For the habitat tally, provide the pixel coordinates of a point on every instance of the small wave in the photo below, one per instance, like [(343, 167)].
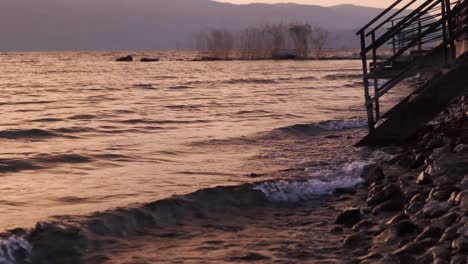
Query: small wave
[(69, 238), (185, 107), (47, 120), (72, 130), (180, 87), (66, 239), (252, 112), (63, 158), (149, 121), (27, 134), (83, 117), (257, 81), (342, 124), (144, 86), (16, 165), (325, 181), (343, 76), (28, 103), (318, 128), (114, 157)]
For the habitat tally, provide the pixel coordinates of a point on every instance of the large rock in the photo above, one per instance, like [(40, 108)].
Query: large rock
[(461, 148), (128, 58), (379, 194), (440, 252), (463, 186), (424, 178), (372, 173), (430, 232), (388, 206), (356, 239), (464, 200), (415, 247), (349, 216), (460, 245), (459, 259), (441, 193), (451, 232), (435, 209), (435, 143)]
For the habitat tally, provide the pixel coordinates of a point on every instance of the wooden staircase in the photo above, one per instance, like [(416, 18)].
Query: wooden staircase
[(407, 38)]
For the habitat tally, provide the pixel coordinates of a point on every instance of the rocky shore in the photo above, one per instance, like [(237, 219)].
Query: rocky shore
[(420, 216)]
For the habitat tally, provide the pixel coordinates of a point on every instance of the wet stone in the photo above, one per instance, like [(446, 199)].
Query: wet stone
[(459, 259), (463, 186), (336, 230), (441, 261), (464, 200), (447, 219), (405, 227), (397, 219), (356, 239), (460, 245), (435, 209), (388, 206), (440, 194), (423, 178), (435, 143), (430, 232), (372, 173), (451, 232), (461, 148), (379, 194), (463, 231), (349, 216), (440, 252), (415, 247)]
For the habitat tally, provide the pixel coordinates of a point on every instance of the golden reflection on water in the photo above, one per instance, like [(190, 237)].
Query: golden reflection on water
[(81, 133)]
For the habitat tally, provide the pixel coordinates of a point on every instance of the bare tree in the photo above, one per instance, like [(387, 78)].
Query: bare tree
[(300, 34), (278, 38), (215, 43), (262, 42), (318, 38)]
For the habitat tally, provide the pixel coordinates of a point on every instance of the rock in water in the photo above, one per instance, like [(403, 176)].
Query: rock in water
[(349, 216), (125, 59), (149, 60), (372, 173)]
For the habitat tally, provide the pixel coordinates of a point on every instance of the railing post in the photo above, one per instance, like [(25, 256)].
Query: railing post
[(451, 30), (368, 99), (444, 28), (419, 36), (393, 40), (376, 81)]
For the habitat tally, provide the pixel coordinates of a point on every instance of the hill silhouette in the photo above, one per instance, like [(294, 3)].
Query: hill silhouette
[(155, 24)]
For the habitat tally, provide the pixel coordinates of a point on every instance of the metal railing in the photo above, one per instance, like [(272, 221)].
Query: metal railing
[(406, 31)]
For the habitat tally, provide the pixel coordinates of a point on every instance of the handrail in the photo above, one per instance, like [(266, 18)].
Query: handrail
[(391, 17), (401, 25), (432, 21), (378, 17)]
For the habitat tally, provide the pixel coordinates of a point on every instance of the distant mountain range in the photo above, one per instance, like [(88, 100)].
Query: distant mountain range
[(155, 24)]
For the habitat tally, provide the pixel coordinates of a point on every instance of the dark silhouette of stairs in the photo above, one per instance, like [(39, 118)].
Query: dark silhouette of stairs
[(407, 38)]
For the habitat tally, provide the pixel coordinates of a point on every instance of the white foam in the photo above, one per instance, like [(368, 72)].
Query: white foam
[(342, 124), (322, 182), (10, 245)]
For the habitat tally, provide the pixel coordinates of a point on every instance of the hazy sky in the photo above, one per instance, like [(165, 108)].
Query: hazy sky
[(375, 3)]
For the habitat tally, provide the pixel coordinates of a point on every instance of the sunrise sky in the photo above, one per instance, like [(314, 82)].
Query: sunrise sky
[(374, 3)]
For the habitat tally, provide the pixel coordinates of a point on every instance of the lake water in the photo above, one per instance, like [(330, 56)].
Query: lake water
[(81, 133)]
